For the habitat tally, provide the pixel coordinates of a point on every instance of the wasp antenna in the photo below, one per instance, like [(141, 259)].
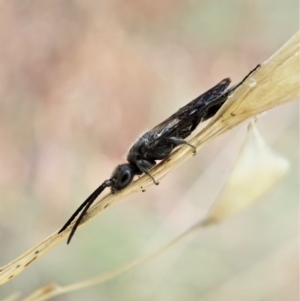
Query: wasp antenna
[(75, 214), (83, 209)]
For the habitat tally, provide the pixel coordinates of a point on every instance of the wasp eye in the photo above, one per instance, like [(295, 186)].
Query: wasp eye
[(125, 177), (122, 176)]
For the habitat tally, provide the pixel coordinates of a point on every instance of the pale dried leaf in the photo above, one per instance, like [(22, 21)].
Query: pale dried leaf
[(257, 169)]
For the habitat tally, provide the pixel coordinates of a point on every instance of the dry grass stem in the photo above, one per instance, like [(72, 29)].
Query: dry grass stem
[(255, 161)]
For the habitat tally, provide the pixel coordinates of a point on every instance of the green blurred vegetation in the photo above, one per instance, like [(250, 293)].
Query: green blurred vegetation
[(79, 81)]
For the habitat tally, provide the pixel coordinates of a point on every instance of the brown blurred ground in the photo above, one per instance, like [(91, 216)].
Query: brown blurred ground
[(79, 81)]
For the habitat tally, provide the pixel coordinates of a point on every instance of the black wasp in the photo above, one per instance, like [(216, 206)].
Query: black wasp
[(159, 142)]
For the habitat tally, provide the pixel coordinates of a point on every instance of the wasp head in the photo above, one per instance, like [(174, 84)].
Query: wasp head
[(121, 177)]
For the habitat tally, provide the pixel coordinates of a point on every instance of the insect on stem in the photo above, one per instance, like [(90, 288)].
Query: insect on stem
[(158, 143)]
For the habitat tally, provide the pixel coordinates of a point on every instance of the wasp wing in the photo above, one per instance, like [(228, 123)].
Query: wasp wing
[(187, 118), (182, 122)]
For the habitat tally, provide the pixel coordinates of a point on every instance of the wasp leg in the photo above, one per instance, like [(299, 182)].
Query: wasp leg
[(145, 166), (178, 141)]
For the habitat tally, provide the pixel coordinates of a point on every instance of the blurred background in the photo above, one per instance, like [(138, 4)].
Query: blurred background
[(79, 82)]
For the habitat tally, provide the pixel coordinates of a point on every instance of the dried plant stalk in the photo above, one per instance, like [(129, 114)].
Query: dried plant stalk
[(256, 161), (275, 82)]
